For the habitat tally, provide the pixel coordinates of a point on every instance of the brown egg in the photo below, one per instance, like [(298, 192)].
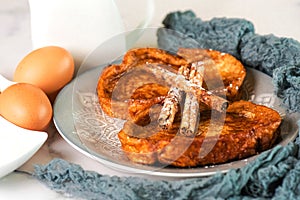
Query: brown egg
[(50, 68), (26, 106)]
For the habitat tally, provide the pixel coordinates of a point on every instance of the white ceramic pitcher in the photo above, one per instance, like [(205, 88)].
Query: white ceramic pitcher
[(77, 25)]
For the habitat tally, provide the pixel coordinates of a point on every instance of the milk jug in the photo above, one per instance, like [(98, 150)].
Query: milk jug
[(77, 25)]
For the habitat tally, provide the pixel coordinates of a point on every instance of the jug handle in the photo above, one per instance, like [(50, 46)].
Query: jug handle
[(135, 34)]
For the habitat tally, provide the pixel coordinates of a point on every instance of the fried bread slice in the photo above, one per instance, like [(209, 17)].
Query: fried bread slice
[(126, 91), (246, 130)]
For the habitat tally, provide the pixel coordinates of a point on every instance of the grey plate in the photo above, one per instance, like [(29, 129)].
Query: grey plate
[(81, 122)]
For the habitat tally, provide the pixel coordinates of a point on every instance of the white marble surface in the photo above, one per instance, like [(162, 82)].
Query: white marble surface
[(14, 34), (280, 17)]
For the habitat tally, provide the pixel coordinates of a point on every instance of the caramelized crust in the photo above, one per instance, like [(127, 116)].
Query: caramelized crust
[(127, 91), (247, 130), (131, 92)]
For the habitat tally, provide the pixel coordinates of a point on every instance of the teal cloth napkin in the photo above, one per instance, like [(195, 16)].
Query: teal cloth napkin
[(275, 56), (275, 174)]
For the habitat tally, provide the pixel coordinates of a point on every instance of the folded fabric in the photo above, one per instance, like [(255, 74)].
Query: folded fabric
[(286, 80), (275, 56), (256, 180), (274, 174), (219, 33), (268, 52)]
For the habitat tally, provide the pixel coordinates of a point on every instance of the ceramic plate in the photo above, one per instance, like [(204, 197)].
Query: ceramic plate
[(82, 123)]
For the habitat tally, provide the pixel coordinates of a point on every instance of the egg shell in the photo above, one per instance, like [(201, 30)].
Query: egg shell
[(50, 68), (26, 106)]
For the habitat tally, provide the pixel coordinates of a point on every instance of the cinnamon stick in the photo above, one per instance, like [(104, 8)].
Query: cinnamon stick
[(197, 73), (212, 101), (191, 106), (185, 71), (190, 116), (170, 108), (172, 79), (179, 81)]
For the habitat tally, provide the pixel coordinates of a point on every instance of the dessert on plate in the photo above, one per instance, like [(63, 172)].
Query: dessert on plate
[(184, 109)]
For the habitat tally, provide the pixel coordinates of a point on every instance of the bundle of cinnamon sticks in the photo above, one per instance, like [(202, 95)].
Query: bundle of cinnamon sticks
[(186, 91)]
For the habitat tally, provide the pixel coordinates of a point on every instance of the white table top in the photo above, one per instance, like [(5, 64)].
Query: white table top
[(279, 17)]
